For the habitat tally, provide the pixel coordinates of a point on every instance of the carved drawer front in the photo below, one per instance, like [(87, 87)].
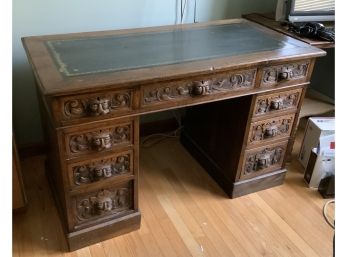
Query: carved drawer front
[(270, 129), (277, 102), (102, 204), (101, 169), (97, 139), (95, 106), (180, 90), (273, 75), (262, 160)]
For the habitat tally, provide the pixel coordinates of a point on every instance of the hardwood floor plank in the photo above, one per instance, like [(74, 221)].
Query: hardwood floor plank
[(123, 246), (154, 215), (181, 228), (300, 219), (283, 226), (110, 248), (84, 252)]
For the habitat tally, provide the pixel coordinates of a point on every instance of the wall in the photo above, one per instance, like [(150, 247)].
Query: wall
[(41, 17), (323, 77)]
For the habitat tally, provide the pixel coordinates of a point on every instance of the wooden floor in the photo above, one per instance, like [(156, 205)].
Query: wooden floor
[(185, 213)]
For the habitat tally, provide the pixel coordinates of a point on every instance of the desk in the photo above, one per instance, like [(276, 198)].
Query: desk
[(94, 86)]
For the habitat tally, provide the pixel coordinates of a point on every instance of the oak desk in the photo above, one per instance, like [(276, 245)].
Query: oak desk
[(93, 87)]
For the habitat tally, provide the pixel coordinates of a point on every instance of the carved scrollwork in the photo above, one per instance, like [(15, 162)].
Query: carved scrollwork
[(96, 106), (270, 129), (274, 74), (278, 102), (102, 203), (264, 159), (95, 171), (99, 140), (200, 87)]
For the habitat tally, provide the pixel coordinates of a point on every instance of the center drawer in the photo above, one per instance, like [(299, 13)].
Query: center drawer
[(196, 89)]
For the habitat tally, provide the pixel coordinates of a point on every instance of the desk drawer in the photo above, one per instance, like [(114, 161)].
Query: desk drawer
[(270, 129), (101, 170), (100, 137), (175, 92), (90, 107), (101, 205), (285, 74), (262, 160), (275, 103)]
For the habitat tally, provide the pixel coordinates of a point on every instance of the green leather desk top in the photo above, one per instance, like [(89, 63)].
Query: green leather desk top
[(123, 52), (78, 62)]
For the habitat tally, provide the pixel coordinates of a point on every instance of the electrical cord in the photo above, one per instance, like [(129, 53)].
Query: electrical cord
[(194, 14), (312, 30), (331, 224), (158, 137), (183, 10)]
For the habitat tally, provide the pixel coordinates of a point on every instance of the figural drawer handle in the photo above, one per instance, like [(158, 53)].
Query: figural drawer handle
[(271, 131), (277, 104), (264, 161), (285, 74), (102, 141), (200, 88)]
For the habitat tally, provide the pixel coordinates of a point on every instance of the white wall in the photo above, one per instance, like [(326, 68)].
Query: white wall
[(41, 17)]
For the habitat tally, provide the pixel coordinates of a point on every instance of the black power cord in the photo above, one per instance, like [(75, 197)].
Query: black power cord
[(313, 30)]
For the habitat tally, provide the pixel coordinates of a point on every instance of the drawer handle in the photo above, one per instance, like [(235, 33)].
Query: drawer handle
[(271, 131), (200, 88), (102, 141), (102, 171), (99, 106), (285, 74), (263, 161), (277, 104), (104, 202)]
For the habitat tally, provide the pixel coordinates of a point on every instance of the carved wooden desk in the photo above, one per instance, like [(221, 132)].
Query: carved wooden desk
[(93, 87)]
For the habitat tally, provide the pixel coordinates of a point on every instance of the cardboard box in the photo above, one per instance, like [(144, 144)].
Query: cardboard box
[(316, 128), (319, 167)]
